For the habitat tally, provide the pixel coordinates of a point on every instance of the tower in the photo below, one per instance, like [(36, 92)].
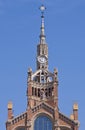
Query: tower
[(42, 111)]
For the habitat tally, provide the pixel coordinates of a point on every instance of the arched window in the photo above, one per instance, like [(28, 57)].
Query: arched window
[(43, 123)]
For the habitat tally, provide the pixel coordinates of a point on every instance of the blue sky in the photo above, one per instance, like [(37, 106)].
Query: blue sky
[(19, 36)]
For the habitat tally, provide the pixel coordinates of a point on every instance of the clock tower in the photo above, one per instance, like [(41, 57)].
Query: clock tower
[(42, 111), (44, 85)]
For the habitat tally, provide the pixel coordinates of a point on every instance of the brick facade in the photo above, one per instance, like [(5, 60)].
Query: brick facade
[(42, 96)]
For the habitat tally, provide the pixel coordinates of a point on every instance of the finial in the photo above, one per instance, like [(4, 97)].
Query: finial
[(75, 106), (72, 117), (10, 105), (42, 8), (42, 34)]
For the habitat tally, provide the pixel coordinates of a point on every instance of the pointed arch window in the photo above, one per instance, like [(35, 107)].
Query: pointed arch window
[(43, 123)]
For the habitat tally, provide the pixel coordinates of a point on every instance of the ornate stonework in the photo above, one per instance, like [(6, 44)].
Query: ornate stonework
[(42, 95)]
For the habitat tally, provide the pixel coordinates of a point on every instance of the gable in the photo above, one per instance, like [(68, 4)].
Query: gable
[(45, 106)]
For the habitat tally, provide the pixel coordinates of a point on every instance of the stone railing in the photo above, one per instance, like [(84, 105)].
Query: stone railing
[(42, 85), (18, 118)]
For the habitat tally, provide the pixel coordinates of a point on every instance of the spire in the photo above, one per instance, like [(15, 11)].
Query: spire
[(42, 34), (42, 48)]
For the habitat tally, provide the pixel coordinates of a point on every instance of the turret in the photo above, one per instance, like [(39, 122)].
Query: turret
[(10, 110), (75, 111)]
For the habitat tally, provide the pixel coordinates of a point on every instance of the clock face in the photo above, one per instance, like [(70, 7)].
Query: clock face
[(42, 59)]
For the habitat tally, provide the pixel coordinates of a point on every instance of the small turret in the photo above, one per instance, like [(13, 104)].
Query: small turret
[(10, 110), (75, 111)]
